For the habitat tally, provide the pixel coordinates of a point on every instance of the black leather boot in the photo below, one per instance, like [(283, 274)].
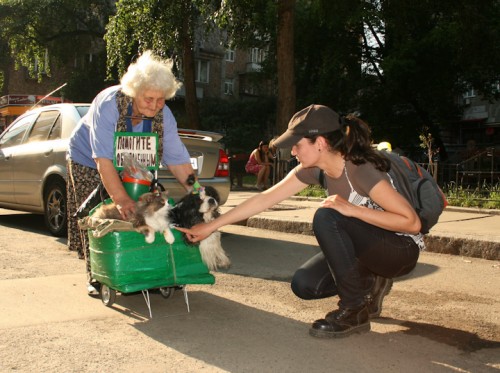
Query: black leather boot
[(341, 323), (374, 299)]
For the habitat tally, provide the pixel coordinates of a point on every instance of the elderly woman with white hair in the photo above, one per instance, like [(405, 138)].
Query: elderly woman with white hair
[(136, 105)]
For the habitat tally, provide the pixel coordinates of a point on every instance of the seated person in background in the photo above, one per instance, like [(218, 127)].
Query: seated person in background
[(260, 165), (273, 156)]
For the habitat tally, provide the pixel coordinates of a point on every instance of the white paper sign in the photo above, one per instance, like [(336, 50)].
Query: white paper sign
[(142, 146)]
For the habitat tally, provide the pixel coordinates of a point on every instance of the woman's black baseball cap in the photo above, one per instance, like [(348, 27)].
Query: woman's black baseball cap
[(310, 121)]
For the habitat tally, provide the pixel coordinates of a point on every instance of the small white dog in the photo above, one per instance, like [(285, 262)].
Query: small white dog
[(200, 207)]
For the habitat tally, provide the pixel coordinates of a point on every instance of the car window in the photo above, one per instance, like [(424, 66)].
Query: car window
[(15, 133), (82, 110), (55, 133), (43, 125)]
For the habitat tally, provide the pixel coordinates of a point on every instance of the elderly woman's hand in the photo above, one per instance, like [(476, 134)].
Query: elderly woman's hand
[(126, 207)]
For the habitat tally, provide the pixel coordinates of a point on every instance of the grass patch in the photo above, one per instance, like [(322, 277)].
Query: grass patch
[(487, 197), (250, 180), (313, 191)]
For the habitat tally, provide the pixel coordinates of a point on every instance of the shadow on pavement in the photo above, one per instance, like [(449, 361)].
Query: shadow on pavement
[(265, 258), (272, 259), (25, 222), (238, 338), (465, 341)]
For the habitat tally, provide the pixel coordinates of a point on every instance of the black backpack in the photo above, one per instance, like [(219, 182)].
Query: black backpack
[(418, 186)]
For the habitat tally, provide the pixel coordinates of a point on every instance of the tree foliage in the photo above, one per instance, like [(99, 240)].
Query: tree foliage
[(401, 64), (430, 52), (164, 26), (58, 30), (141, 25), (243, 123), (269, 25), (248, 23), (328, 55)]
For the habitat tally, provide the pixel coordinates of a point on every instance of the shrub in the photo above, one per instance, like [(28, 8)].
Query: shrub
[(486, 197)]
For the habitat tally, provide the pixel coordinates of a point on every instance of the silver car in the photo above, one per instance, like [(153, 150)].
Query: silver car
[(33, 163)]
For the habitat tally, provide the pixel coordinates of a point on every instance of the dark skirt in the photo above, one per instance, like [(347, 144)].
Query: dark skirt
[(81, 181)]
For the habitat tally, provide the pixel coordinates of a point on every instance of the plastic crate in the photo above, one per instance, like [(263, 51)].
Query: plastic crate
[(125, 262)]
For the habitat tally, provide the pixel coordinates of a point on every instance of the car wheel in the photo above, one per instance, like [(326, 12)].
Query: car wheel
[(55, 204)]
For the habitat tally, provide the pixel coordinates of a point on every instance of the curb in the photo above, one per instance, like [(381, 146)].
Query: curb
[(434, 243), (443, 243), (462, 246)]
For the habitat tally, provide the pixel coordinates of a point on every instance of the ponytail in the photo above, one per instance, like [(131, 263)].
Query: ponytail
[(354, 142)]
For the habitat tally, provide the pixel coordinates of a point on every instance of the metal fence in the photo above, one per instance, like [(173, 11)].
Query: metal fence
[(478, 171)]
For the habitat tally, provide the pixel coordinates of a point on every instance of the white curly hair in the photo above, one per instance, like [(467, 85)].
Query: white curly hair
[(150, 72)]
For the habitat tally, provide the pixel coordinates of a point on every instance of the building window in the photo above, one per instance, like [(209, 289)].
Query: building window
[(495, 88), (257, 55), (250, 89), (469, 93), (201, 73), (83, 61), (229, 87), (229, 56)]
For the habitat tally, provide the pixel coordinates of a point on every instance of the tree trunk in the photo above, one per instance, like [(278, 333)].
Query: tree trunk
[(285, 63), (191, 101), (5, 66)]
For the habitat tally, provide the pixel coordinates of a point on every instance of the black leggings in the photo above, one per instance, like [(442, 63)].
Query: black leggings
[(353, 254)]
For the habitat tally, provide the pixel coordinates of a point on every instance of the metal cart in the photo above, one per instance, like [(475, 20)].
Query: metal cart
[(123, 262)]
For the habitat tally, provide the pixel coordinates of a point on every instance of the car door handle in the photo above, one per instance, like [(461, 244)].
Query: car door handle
[(48, 152)]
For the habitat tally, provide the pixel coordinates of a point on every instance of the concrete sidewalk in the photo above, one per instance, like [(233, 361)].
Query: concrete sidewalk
[(460, 231)]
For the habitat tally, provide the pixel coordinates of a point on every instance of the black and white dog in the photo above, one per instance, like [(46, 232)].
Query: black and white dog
[(201, 207)]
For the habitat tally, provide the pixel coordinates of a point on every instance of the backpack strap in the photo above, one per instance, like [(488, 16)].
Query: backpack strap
[(412, 165)]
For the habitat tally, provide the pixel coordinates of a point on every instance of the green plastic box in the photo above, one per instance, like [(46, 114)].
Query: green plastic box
[(125, 262)]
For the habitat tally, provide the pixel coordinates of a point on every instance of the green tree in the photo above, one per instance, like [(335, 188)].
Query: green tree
[(328, 55), (164, 26), (244, 122), (50, 34), (269, 25), (4, 66), (428, 52), (401, 64)]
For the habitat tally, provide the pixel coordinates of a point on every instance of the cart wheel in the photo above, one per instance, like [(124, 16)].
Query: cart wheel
[(167, 292), (108, 296)]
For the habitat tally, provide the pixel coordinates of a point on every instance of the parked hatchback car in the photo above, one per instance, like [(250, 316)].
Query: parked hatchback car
[(33, 163)]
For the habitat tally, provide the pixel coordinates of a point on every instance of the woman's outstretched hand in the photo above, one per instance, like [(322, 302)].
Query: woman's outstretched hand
[(196, 233)]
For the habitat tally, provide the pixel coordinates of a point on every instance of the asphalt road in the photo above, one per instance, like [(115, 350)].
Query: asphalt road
[(443, 317)]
